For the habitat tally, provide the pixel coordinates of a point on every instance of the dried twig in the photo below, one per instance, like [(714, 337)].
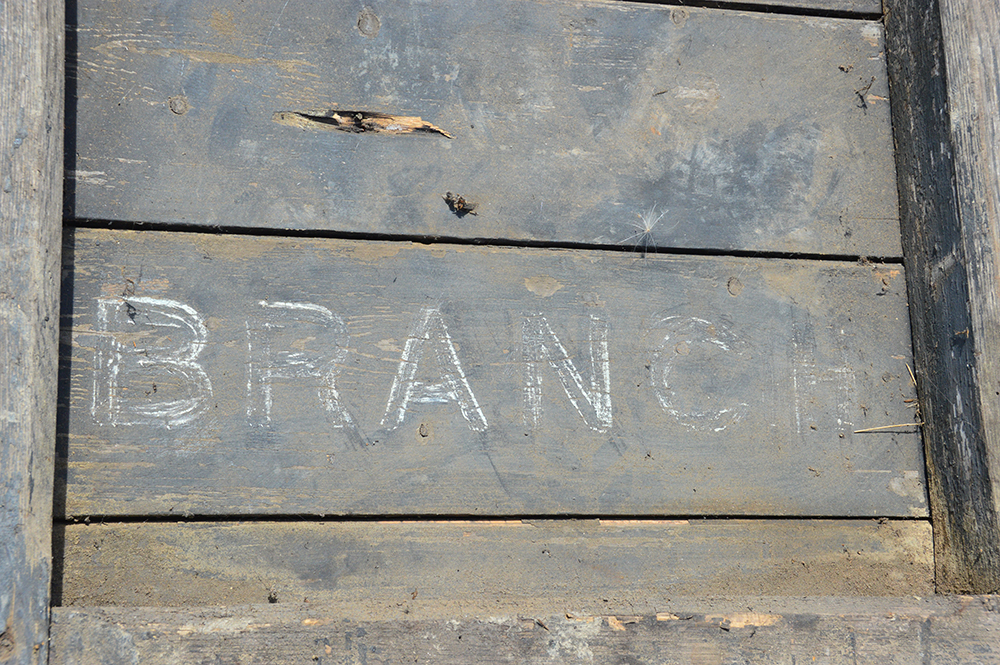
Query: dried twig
[(882, 427)]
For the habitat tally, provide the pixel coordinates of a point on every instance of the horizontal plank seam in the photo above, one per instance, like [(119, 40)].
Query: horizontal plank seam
[(464, 518), (319, 234), (818, 12)]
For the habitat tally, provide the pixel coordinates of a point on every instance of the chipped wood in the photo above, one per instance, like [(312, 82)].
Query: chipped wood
[(357, 122)]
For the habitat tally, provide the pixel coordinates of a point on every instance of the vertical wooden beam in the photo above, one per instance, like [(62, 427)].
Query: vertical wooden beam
[(943, 68), (31, 140), (971, 31)]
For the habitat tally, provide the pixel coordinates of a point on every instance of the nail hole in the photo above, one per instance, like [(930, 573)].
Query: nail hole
[(368, 23), (178, 104)]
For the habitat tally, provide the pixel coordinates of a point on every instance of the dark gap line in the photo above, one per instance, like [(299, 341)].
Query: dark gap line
[(321, 234), (758, 8), (413, 519)]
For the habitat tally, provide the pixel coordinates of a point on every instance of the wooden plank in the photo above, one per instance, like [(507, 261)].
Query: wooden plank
[(835, 631), (946, 124), (860, 7), (386, 569), (971, 33), (257, 375), (610, 123), (31, 123)]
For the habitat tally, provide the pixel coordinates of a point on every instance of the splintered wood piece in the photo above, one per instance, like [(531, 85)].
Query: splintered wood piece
[(450, 568), (241, 375), (357, 122)]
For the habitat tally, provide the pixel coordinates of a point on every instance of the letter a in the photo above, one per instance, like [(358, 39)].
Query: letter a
[(430, 333)]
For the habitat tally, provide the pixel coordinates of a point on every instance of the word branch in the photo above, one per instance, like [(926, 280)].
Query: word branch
[(149, 367)]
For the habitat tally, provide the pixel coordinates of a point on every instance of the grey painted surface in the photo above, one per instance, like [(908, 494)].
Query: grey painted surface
[(586, 123), (239, 375)]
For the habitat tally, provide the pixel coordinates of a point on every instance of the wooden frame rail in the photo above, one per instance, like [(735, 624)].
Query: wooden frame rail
[(944, 81), (31, 136)]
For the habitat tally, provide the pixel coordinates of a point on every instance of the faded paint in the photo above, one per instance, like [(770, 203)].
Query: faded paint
[(116, 364), (212, 57), (265, 364), (542, 285)]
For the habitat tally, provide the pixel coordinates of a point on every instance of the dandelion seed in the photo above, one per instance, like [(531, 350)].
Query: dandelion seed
[(642, 239)]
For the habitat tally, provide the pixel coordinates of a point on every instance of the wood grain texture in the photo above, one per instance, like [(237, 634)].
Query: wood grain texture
[(420, 569), (865, 7), (31, 102), (948, 193), (971, 33), (838, 631), (242, 375), (587, 123)]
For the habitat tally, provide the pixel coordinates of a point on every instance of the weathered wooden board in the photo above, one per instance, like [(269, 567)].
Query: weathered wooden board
[(833, 631), (971, 32), (31, 140), (382, 569), (588, 122), (861, 7), (240, 375), (946, 121)]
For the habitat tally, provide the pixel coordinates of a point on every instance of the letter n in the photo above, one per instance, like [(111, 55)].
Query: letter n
[(591, 399)]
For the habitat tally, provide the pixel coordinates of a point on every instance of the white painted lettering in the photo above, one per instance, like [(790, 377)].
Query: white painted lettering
[(430, 333), (698, 341), (146, 369), (807, 375), (591, 399), (300, 325)]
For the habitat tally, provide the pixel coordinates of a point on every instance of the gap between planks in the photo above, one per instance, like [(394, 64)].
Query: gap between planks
[(846, 9), (71, 225)]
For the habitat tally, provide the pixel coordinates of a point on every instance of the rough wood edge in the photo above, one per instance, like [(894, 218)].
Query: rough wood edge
[(31, 140), (939, 279), (746, 630), (972, 47)]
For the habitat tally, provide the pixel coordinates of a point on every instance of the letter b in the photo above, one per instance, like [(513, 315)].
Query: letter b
[(146, 369)]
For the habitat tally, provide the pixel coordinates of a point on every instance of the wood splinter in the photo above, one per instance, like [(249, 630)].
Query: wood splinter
[(884, 427), (357, 122)]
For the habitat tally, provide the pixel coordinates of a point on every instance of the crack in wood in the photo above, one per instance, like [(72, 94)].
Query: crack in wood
[(357, 122)]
